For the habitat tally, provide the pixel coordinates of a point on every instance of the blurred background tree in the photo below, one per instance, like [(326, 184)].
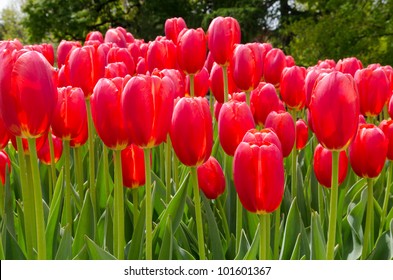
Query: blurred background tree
[(309, 30)]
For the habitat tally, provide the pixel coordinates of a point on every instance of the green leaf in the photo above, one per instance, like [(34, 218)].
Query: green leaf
[(214, 233), (12, 249), (137, 241), (181, 253), (159, 193), (291, 232), (383, 249), (243, 247), (167, 242), (318, 243), (103, 177), (65, 247), (296, 250), (54, 217), (253, 250), (96, 252), (85, 225)]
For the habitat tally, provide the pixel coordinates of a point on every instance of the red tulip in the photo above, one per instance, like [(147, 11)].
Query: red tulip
[(387, 128), (191, 50), (116, 69), (237, 96), (311, 77), (368, 151), (177, 79), (349, 65), (217, 82), (81, 139), (192, 130), (147, 105), (133, 167), (70, 113), (122, 55), (45, 49), (44, 152), (10, 45), (263, 135), (282, 124), (292, 87), (334, 110), (107, 113), (161, 54), (173, 26), (4, 135), (264, 99), (258, 173), (290, 61), (234, 121), (94, 36), (326, 64), (211, 178), (115, 35), (373, 88), (39, 143), (84, 67), (27, 93), (223, 34), (247, 66), (323, 166), (201, 83), (274, 64), (141, 67), (5, 163), (64, 48), (301, 134)]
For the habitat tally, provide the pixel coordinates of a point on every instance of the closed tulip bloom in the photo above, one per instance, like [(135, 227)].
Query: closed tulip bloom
[(147, 105), (373, 88), (234, 121), (192, 130), (309, 82), (10, 45), (95, 36), (64, 49), (217, 82), (290, 61), (301, 134), (177, 79), (258, 136), (27, 93), (282, 124), (247, 66), (323, 166), (211, 178), (274, 63), (201, 83), (107, 113), (264, 100), (237, 96), (223, 34), (133, 167), (292, 87), (191, 50), (44, 152), (69, 114), (5, 163), (334, 109), (82, 137), (349, 65), (45, 49), (387, 128), (84, 67), (114, 35), (161, 54), (4, 135), (122, 55), (116, 69), (173, 26), (258, 173), (141, 66), (326, 64), (368, 151)]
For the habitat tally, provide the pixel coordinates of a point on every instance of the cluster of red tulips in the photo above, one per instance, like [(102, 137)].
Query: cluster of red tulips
[(152, 105)]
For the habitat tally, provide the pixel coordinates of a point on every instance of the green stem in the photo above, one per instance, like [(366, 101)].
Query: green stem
[(52, 165), (67, 176), (118, 227), (175, 171), (149, 207), (41, 240), (135, 202), (106, 168), (198, 213), (294, 161), (192, 89), (224, 219), (239, 222), (367, 242), (225, 79), (277, 216), (93, 192), (30, 194), (267, 221), (386, 198), (333, 208), (79, 171), (168, 170), (28, 202), (321, 204), (262, 237), (248, 98)]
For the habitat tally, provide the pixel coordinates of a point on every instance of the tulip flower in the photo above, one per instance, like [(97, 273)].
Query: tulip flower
[(191, 50), (234, 121), (373, 88), (349, 65), (116, 69), (173, 26), (292, 87), (211, 178), (177, 79), (223, 34), (237, 96), (94, 36), (274, 63), (311, 77), (323, 166), (122, 55), (141, 67), (201, 83), (45, 49), (115, 35), (44, 151), (64, 48), (5, 163), (4, 135), (133, 168), (161, 54), (264, 100), (301, 134), (216, 81), (290, 61)]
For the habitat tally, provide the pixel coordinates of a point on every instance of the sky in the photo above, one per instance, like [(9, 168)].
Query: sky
[(5, 3)]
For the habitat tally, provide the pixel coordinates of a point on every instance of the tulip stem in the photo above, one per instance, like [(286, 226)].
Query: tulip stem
[(386, 198), (79, 171), (175, 171), (248, 98), (106, 169), (93, 192), (367, 242), (135, 202), (239, 222), (52, 164), (321, 203), (263, 236), (277, 215), (294, 160), (118, 227), (198, 213), (67, 175), (225, 79), (333, 208), (149, 206), (39, 209), (192, 89), (168, 165), (28, 201)]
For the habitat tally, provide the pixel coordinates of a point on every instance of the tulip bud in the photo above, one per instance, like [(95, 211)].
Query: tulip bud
[(292, 87), (191, 50), (44, 152), (173, 26), (211, 178), (133, 168), (264, 100), (301, 134)]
